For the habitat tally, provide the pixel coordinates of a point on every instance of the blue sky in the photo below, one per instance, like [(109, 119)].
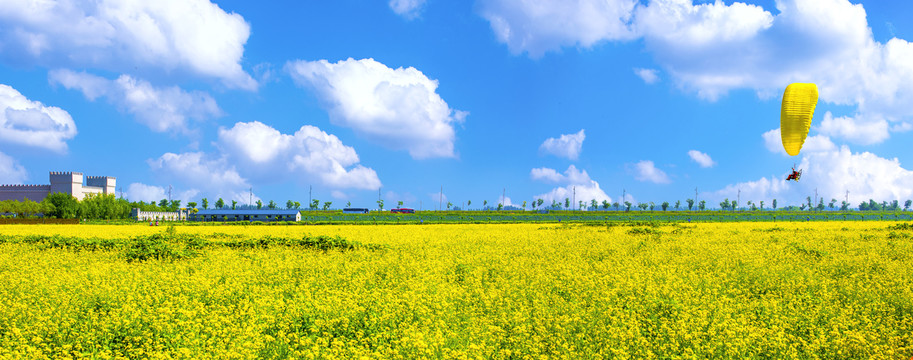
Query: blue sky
[(535, 99)]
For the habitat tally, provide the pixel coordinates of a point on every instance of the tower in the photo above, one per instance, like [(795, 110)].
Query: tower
[(67, 183), (106, 183)]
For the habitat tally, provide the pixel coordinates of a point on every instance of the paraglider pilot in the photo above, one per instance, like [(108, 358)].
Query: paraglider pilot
[(795, 175)]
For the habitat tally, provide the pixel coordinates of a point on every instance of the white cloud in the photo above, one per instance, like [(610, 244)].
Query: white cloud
[(865, 175), (193, 36), (147, 193), (536, 27), (571, 176), (774, 143), (10, 170), (567, 145), (646, 171), (701, 159), (198, 171), (575, 181), (30, 123), (857, 131), (409, 9), (649, 76), (161, 109), (397, 108), (264, 150), (713, 48)]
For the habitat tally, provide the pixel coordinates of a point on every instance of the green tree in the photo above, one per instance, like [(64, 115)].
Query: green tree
[(297, 205), (175, 205), (326, 205), (762, 204), (500, 206), (820, 206), (690, 203), (524, 205), (894, 205), (399, 204), (220, 203), (665, 205), (234, 204), (652, 206), (605, 204), (65, 205), (314, 204), (380, 204), (192, 205), (163, 204), (616, 205), (533, 203), (844, 206), (678, 204), (831, 205), (540, 201), (702, 205), (271, 205), (469, 203), (259, 204), (594, 204), (348, 204), (907, 204), (734, 205), (484, 204), (627, 206), (567, 203), (289, 205), (774, 204), (449, 204), (205, 202), (724, 204), (642, 206)]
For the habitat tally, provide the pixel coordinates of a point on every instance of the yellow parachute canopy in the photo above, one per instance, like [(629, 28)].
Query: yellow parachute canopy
[(799, 102)]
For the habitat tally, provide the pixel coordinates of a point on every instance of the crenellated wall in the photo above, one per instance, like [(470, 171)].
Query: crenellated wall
[(61, 182), (35, 193)]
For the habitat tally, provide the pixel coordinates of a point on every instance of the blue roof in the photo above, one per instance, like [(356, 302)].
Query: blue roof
[(246, 212)]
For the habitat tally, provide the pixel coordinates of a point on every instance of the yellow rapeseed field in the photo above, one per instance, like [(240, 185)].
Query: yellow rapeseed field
[(819, 290)]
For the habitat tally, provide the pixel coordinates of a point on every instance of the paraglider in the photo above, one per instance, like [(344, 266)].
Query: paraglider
[(796, 112)]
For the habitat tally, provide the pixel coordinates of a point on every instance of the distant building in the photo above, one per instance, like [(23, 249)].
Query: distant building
[(140, 215), (245, 215), (60, 182)]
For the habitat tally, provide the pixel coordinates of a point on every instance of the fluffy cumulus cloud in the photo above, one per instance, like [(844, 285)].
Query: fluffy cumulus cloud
[(701, 159), (10, 170), (535, 27), (572, 183), (147, 193), (261, 149), (192, 36), (864, 132), (713, 48), (649, 76), (397, 108), (409, 9), (774, 143), (161, 109), (566, 146), (199, 171), (646, 171), (33, 124), (833, 173)]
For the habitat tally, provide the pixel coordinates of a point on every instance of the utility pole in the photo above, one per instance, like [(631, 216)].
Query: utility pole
[(504, 197), (169, 192), (575, 197), (250, 197), (695, 197), (441, 201), (622, 196), (310, 189), (738, 198), (816, 197), (847, 199)]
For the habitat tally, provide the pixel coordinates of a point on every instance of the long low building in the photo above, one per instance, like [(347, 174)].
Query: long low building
[(245, 215)]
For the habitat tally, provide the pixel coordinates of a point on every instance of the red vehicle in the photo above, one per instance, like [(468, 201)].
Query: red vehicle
[(403, 211)]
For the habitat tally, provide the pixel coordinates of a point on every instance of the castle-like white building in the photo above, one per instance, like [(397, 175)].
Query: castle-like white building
[(61, 182)]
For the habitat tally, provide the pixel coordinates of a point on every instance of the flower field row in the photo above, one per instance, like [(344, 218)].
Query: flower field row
[(829, 290)]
